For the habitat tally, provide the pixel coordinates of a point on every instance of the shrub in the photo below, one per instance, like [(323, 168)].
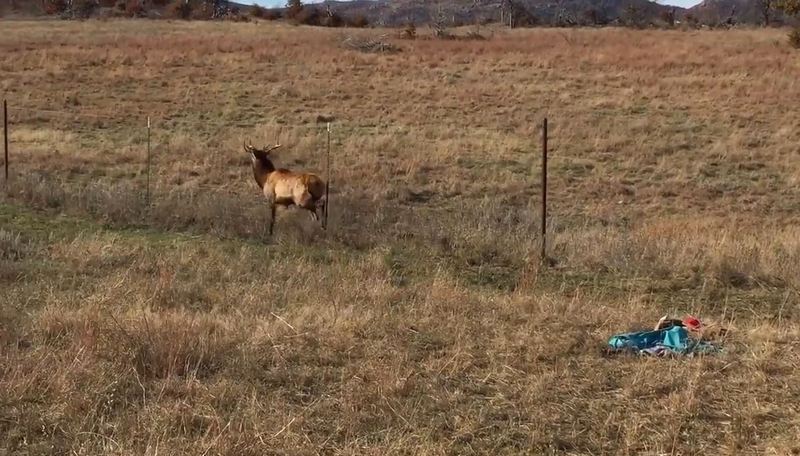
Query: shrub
[(54, 6), (474, 34), (204, 12), (258, 11), (272, 15), (360, 21), (13, 246), (369, 45), (84, 8), (237, 17), (134, 8), (306, 16), (591, 16), (331, 20), (294, 8), (668, 17), (410, 32), (180, 9), (633, 16), (794, 38)]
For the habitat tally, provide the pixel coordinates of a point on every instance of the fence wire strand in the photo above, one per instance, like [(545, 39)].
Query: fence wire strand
[(121, 116), (242, 196), (104, 116), (319, 128)]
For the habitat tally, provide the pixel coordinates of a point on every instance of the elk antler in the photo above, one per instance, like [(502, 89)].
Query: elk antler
[(270, 149), (247, 147)]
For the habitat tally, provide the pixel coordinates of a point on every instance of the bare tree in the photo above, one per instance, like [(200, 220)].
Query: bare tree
[(668, 16), (563, 16), (633, 16), (293, 8), (219, 8), (766, 7), (439, 23), (790, 7), (731, 20), (515, 14)]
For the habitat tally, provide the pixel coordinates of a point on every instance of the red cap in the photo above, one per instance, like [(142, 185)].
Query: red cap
[(692, 322)]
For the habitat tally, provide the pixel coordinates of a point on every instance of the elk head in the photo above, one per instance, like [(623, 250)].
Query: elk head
[(262, 165), (257, 154)]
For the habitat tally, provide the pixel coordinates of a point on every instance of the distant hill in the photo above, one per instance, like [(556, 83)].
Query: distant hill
[(110, 8), (394, 13), (22, 8), (742, 11), (555, 12), (563, 12)]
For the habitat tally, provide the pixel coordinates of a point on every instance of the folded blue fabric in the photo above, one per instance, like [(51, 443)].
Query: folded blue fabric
[(668, 340), (675, 338)]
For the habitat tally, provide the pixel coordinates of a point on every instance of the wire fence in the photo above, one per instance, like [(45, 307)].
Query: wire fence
[(105, 115), (142, 198), (125, 116)]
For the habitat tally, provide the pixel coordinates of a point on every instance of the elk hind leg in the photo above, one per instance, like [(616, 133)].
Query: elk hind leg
[(321, 206), (272, 217)]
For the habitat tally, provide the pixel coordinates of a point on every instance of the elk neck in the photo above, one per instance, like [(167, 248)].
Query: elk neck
[(262, 167)]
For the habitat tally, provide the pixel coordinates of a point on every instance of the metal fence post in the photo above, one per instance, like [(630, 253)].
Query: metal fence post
[(544, 190), (5, 136), (327, 180), (147, 194)]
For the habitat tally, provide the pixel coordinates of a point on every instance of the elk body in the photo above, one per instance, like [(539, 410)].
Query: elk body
[(286, 188)]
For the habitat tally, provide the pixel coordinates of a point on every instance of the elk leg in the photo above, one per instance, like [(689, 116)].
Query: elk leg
[(272, 218), (319, 205)]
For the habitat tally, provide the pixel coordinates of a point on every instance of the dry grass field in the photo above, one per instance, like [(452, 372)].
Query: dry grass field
[(421, 322)]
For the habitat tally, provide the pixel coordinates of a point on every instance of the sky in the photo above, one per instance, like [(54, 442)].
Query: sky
[(683, 3), (273, 3)]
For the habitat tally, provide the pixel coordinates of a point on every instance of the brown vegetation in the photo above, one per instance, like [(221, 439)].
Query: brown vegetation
[(258, 11), (421, 322), (54, 6), (180, 9), (794, 38), (134, 8)]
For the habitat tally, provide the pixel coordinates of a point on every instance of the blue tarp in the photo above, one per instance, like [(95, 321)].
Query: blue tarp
[(674, 340)]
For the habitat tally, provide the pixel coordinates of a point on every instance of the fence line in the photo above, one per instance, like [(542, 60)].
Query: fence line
[(5, 138), (106, 116), (245, 193), (246, 196), (317, 126)]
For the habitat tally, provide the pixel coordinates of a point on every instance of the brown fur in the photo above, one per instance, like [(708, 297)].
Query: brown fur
[(283, 187)]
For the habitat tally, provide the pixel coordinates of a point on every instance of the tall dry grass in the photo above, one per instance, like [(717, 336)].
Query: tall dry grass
[(422, 322)]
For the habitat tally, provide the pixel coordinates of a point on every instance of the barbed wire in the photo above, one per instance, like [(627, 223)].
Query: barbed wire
[(319, 126), (126, 114), (243, 194), (107, 116), (158, 146)]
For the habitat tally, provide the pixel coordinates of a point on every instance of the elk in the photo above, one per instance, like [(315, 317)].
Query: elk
[(285, 188)]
